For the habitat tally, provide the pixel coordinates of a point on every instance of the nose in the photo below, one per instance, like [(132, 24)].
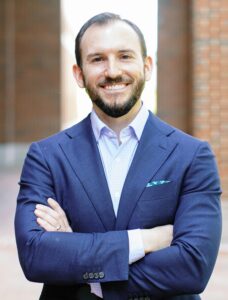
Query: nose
[(112, 69)]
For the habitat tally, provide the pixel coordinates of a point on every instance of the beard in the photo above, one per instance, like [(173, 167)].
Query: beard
[(116, 110)]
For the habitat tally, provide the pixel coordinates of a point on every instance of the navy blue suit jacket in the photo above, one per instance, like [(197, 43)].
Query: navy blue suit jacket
[(68, 168)]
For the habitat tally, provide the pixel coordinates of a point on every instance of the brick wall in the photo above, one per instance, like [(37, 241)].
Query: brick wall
[(192, 70), (210, 78), (2, 68), (30, 69), (174, 63)]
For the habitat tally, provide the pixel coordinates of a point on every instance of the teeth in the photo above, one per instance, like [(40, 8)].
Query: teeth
[(115, 87)]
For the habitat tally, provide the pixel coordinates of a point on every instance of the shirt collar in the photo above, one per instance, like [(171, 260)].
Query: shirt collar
[(137, 125)]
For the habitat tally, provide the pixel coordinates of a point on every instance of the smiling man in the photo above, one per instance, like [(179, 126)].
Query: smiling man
[(121, 205), (113, 72)]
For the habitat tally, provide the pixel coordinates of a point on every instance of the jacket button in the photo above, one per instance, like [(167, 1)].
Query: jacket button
[(91, 276), (96, 275), (101, 275), (85, 276)]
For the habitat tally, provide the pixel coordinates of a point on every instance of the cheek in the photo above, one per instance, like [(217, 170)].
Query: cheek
[(136, 71), (94, 70), (92, 77)]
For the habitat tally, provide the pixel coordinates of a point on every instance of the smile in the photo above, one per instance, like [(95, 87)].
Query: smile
[(115, 87)]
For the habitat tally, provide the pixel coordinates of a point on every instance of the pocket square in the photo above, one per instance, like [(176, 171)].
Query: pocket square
[(157, 182)]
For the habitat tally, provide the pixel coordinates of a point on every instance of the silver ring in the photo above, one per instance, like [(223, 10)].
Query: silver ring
[(58, 227)]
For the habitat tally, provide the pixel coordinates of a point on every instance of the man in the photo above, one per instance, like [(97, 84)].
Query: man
[(97, 202)]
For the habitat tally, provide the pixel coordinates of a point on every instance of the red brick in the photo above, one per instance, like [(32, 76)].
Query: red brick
[(214, 127), (37, 68)]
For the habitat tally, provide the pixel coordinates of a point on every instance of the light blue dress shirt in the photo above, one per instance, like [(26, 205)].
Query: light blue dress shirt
[(117, 154)]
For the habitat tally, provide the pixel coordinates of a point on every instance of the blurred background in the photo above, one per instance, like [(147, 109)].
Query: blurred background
[(188, 40)]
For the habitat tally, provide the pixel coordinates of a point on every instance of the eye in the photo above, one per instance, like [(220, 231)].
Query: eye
[(125, 56), (97, 59)]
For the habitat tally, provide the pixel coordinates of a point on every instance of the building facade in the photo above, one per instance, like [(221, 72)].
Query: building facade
[(192, 72)]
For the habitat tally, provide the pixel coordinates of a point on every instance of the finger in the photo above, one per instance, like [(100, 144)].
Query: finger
[(45, 225), (58, 214), (47, 218), (44, 214), (57, 208), (45, 211)]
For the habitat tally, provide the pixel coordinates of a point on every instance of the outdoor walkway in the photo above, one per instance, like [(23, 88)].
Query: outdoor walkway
[(15, 286)]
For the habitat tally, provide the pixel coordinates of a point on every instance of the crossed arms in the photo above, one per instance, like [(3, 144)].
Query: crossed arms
[(63, 257), (53, 218)]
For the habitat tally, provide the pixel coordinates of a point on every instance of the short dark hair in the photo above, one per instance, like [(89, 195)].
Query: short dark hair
[(102, 19)]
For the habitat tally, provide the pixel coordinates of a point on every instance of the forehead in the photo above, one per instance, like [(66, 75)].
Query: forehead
[(113, 36)]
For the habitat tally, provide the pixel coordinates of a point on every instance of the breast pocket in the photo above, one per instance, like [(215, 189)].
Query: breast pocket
[(157, 206)]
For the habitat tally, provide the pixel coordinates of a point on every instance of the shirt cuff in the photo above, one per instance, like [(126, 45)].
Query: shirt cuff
[(136, 247), (95, 288)]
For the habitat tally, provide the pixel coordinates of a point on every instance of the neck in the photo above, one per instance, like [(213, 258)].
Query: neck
[(117, 124)]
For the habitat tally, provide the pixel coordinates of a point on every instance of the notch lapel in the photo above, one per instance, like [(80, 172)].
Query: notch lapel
[(152, 152), (83, 155)]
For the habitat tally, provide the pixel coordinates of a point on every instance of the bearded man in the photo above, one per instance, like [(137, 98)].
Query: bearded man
[(121, 205)]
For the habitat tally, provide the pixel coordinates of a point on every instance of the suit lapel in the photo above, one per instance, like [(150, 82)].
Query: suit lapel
[(152, 151), (83, 155)]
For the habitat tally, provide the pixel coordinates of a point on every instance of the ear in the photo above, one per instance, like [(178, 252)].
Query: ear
[(78, 75), (148, 67)]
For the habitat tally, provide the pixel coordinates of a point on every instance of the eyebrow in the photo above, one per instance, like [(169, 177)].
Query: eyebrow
[(90, 56), (93, 55), (127, 51)]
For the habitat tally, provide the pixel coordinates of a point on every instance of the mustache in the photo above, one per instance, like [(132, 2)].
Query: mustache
[(116, 80)]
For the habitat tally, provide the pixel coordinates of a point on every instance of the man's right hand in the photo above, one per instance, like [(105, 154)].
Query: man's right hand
[(157, 238)]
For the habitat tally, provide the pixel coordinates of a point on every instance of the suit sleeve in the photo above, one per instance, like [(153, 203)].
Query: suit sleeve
[(56, 257), (185, 267)]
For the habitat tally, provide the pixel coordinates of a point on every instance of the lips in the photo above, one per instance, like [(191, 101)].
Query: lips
[(117, 84), (114, 87)]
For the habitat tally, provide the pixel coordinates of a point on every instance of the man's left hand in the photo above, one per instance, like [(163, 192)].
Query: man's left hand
[(52, 217)]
